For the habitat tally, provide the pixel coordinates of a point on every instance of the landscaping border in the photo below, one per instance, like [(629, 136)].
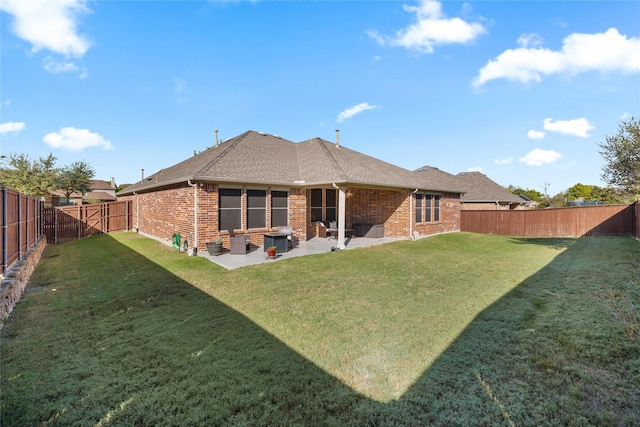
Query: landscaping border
[(16, 279)]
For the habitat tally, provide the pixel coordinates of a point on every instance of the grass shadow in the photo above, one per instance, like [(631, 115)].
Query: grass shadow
[(547, 353), (152, 350)]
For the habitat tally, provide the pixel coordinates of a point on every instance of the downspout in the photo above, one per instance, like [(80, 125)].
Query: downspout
[(341, 216), (195, 217), (137, 213), (411, 214)]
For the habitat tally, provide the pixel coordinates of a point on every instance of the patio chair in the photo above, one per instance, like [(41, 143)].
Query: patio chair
[(332, 231), (289, 232), (239, 244)]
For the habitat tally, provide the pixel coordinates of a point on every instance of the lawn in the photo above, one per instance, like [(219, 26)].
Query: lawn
[(457, 329)]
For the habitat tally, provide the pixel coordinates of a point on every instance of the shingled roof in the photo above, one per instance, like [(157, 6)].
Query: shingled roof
[(479, 188), (257, 158)]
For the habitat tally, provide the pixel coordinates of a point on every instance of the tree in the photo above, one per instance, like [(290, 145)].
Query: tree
[(530, 194), (621, 153), (30, 177), (75, 178), (609, 196), (579, 191)]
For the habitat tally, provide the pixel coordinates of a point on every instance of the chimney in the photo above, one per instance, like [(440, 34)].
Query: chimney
[(142, 174), (216, 137), (338, 138)]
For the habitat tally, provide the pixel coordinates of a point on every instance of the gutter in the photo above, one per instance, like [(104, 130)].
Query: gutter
[(411, 214), (195, 217)]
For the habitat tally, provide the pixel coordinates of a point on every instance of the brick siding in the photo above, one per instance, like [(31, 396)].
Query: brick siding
[(170, 210)]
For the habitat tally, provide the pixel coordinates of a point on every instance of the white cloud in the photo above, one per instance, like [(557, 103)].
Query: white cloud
[(431, 28), (531, 39), (608, 51), (72, 139), (475, 169), (539, 157), (503, 161), (350, 112), (535, 134), (58, 67), (625, 116), (5, 103), (577, 127), (49, 24), (11, 127)]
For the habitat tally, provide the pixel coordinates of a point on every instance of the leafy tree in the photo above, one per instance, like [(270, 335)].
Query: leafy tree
[(609, 195), (621, 153), (557, 201), (31, 177), (530, 194), (579, 191), (75, 178)]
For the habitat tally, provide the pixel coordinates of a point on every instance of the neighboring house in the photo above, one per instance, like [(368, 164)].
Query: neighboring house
[(255, 182), (101, 192), (480, 192)]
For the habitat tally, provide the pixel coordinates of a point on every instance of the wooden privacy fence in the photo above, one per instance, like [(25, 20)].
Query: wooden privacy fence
[(74, 222), (611, 220), (21, 222)]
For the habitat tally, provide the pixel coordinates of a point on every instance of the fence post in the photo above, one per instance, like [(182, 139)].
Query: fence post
[(55, 226), (126, 212), (4, 230), (19, 226)]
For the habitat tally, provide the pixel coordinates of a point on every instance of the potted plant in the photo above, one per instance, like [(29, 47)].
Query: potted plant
[(271, 252), (215, 248)]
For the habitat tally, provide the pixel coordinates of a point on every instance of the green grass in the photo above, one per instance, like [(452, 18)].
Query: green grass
[(458, 329)]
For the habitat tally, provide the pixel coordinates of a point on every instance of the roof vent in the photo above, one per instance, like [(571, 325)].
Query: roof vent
[(338, 138)]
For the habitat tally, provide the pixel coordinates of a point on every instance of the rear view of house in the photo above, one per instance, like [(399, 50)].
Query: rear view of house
[(255, 183)]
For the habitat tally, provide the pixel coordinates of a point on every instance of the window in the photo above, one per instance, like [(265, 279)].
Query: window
[(331, 201), (427, 207), (419, 198), (230, 211), (316, 205), (324, 208), (256, 208), (279, 208)]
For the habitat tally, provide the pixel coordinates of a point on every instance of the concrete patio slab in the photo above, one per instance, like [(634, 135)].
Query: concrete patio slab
[(316, 245)]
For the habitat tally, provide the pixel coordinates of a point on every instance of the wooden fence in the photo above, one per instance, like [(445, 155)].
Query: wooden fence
[(21, 222), (74, 222), (610, 220)]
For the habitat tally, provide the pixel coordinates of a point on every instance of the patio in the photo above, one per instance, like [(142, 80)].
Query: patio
[(316, 245)]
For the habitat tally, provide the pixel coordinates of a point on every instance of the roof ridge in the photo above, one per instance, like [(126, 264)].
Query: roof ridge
[(332, 159), (216, 159)]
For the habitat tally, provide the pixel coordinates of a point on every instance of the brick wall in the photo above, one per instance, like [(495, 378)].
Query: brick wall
[(449, 217), (371, 206), (171, 210)]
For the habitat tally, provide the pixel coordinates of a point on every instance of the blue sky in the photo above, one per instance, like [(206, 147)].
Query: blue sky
[(522, 91)]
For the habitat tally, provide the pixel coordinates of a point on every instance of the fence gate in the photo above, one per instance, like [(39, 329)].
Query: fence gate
[(74, 222)]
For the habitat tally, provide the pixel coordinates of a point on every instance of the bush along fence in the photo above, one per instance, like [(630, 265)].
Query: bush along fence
[(74, 222), (610, 220), (22, 245)]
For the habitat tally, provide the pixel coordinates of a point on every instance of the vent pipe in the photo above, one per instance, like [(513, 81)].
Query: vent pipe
[(216, 137), (143, 174), (338, 138)]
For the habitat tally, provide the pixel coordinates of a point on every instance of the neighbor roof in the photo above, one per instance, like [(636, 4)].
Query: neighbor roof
[(479, 188), (257, 158)]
